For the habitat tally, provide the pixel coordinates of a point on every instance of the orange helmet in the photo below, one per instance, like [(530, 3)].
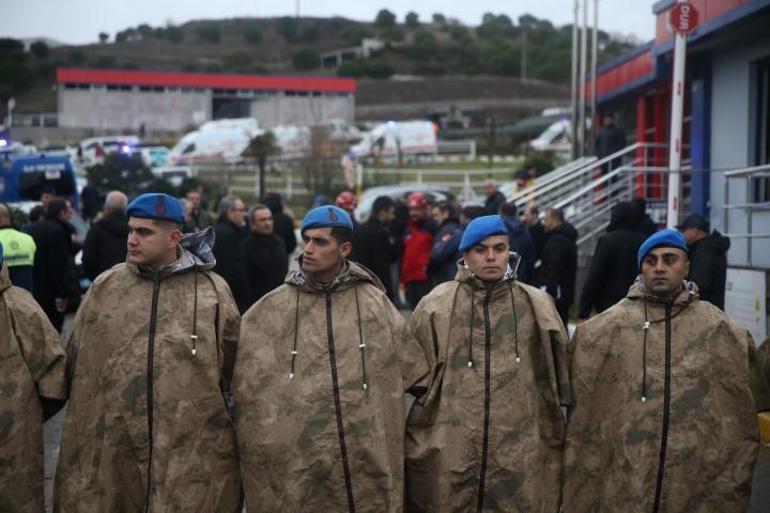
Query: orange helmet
[(416, 200), (346, 201)]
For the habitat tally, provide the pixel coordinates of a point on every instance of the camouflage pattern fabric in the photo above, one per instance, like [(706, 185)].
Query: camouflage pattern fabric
[(32, 367), (290, 436), (525, 436), (619, 456), (158, 437)]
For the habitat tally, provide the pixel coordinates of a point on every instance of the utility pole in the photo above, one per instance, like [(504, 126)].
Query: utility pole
[(582, 100), (574, 79), (594, 57), (684, 18)]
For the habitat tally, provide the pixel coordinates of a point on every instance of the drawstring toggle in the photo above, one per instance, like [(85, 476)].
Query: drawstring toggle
[(194, 339)]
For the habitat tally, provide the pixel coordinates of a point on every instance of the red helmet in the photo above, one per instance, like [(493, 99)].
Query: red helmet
[(346, 201), (416, 200)]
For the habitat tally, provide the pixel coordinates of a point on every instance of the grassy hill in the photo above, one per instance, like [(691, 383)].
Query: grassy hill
[(288, 45)]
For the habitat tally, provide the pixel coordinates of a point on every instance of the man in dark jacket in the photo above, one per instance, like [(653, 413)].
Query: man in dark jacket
[(230, 231), (531, 218), (56, 289), (282, 222), (609, 140), (494, 197), (264, 255), (443, 260), (520, 241), (708, 259), (373, 245), (613, 266), (558, 262), (105, 244)]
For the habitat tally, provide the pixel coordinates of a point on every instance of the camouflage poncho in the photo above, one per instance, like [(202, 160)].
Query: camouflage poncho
[(147, 427), (32, 369), (319, 386), (488, 435), (664, 419)]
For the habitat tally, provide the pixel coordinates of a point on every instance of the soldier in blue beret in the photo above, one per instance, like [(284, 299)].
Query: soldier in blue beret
[(329, 357), (33, 387), (152, 353), (663, 416), (492, 415)]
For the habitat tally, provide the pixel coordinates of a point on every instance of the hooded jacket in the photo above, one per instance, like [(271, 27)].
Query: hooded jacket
[(489, 433), (558, 265), (147, 427), (708, 267), (319, 385), (32, 372), (418, 247), (613, 265), (663, 418), (230, 265), (105, 244), (521, 243)]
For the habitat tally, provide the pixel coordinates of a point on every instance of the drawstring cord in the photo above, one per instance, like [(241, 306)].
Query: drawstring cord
[(515, 325), (296, 332), (194, 336), (645, 328), (361, 344), (470, 334)]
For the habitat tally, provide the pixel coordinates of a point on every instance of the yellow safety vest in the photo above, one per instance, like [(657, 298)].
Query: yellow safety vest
[(18, 248)]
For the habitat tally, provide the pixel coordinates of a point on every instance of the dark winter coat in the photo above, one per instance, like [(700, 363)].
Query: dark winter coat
[(227, 251), (105, 244), (55, 274), (613, 266), (265, 265), (521, 242), (537, 232), (708, 267), (492, 203), (558, 265), (374, 248), (610, 139), (443, 260), (283, 226)]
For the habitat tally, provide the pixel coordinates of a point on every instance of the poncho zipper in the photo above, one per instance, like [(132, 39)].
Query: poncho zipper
[(150, 383), (666, 415), (487, 400), (337, 404)]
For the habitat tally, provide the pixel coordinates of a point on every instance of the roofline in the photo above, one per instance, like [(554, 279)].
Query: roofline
[(662, 5), (625, 57), (205, 80)]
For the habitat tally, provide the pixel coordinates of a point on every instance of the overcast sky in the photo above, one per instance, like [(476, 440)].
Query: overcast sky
[(80, 21)]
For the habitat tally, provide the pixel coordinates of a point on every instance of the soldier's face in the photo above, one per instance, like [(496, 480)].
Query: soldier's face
[(152, 243), (664, 271), (323, 255), (488, 260)]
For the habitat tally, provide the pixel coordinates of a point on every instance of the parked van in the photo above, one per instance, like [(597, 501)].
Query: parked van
[(388, 140), (22, 179)]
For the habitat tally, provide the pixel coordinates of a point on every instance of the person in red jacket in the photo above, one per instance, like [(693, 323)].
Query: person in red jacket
[(418, 246)]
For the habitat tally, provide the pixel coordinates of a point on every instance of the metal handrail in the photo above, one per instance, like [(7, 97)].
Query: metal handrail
[(548, 178), (749, 174), (569, 178)]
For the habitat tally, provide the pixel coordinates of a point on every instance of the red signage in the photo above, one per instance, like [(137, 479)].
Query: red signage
[(684, 18)]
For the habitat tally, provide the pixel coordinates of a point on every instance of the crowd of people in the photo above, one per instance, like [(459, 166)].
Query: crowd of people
[(200, 372)]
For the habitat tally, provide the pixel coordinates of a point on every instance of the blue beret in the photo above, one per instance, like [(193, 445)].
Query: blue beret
[(481, 228), (158, 206), (326, 216), (662, 239)]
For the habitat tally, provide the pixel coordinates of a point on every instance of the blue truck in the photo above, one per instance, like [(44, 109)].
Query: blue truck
[(23, 178)]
